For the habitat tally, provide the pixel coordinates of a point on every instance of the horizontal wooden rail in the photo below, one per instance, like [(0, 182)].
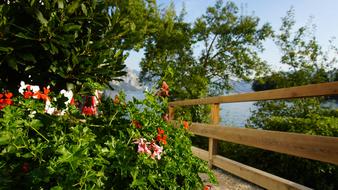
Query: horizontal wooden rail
[(248, 173), (256, 176), (320, 148), (311, 90), (202, 154), (314, 147)]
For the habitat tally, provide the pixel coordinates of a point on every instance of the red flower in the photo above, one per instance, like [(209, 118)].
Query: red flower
[(136, 124), (27, 94), (8, 95), (72, 101), (25, 167), (207, 187), (160, 131), (185, 124), (88, 110), (161, 137), (44, 96), (7, 101)]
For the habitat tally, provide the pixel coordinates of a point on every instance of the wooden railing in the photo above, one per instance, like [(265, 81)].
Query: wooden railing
[(314, 147)]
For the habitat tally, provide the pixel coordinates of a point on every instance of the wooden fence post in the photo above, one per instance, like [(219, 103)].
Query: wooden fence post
[(171, 113), (213, 142)]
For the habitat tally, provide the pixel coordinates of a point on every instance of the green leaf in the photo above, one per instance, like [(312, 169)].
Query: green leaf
[(60, 4), (72, 27), (5, 137), (75, 59), (71, 9), (40, 17), (6, 49), (45, 46), (24, 36), (33, 2), (56, 188), (84, 9), (28, 57), (53, 49), (12, 63), (29, 67), (27, 155)]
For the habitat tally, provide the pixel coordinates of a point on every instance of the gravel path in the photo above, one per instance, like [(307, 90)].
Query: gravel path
[(227, 181)]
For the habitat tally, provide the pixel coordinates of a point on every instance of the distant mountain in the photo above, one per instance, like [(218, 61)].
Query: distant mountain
[(131, 83), (240, 87)]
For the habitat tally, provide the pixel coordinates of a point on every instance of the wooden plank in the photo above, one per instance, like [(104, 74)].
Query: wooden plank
[(214, 114), (213, 144), (256, 176), (307, 146), (202, 154), (312, 90), (171, 112)]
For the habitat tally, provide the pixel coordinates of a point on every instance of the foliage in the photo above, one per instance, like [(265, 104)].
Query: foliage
[(307, 61), (75, 151), (230, 44), (69, 42)]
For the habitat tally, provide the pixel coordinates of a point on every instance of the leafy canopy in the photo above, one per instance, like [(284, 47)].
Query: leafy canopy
[(229, 44), (70, 42)]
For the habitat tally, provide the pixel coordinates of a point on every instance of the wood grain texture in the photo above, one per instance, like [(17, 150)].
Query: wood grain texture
[(256, 176), (312, 90), (202, 154), (171, 111), (307, 146), (213, 143)]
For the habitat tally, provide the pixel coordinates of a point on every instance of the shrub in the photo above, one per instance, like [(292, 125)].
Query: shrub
[(299, 116), (126, 146)]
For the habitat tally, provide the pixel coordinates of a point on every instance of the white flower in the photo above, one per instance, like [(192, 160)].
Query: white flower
[(35, 88), (49, 109), (67, 94), (97, 97), (32, 114), (24, 86)]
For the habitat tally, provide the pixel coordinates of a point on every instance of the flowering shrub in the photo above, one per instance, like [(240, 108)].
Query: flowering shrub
[(124, 145)]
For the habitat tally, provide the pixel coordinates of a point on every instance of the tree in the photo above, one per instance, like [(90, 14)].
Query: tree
[(74, 43), (308, 64), (229, 41)]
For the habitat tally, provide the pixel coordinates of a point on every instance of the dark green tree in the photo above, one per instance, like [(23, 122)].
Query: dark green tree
[(70, 43)]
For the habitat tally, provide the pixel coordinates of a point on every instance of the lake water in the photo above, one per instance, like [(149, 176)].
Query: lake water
[(233, 114)]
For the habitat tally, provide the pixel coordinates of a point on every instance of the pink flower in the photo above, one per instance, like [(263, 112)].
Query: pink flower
[(142, 146), (165, 89), (157, 150), (153, 149), (165, 117)]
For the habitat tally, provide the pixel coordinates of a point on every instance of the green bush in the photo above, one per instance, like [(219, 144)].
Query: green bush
[(75, 151), (305, 116)]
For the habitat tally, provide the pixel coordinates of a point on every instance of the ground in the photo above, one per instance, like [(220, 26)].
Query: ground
[(226, 181)]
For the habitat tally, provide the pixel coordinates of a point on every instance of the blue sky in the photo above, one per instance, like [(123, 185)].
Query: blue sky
[(324, 13)]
